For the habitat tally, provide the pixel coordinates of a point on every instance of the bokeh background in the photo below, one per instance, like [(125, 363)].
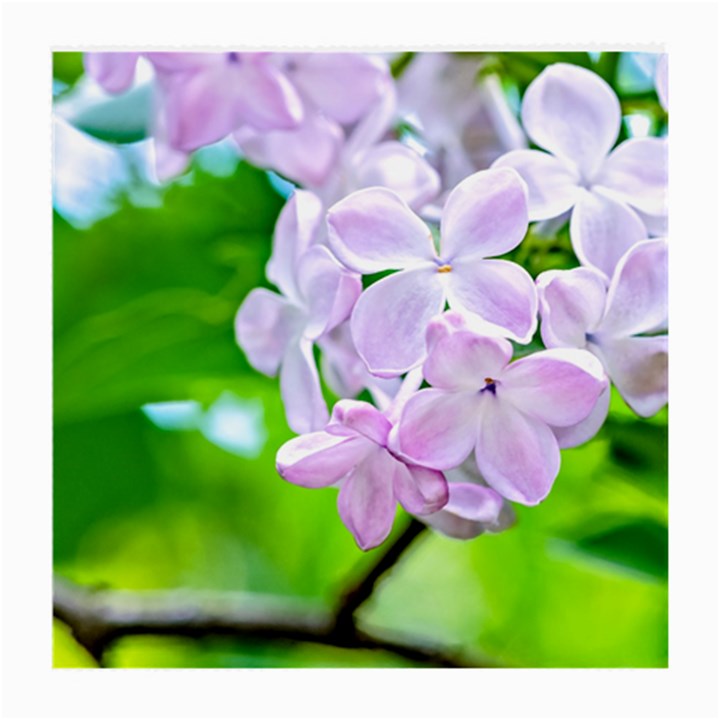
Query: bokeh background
[(165, 438)]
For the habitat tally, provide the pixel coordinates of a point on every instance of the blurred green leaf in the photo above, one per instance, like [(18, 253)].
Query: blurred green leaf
[(123, 118), (66, 651), (67, 66), (145, 299)]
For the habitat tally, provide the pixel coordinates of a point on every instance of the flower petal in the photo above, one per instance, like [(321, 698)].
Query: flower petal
[(461, 360), (366, 501), (661, 81), (638, 293), (559, 387), (306, 154), (552, 183), (266, 100), (602, 230), (500, 293), (574, 114), (397, 167), (295, 232), (574, 435), (329, 290), (572, 303), (638, 368), (471, 510), (373, 230), (636, 172), (420, 490), (305, 407), (517, 455), (320, 459), (113, 71), (265, 324), (361, 418), (437, 429), (343, 85), (485, 215), (390, 318)]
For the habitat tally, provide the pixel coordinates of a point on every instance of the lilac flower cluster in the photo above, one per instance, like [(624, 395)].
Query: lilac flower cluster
[(435, 218)]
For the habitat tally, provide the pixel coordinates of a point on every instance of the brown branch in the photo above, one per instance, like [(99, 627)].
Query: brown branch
[(97, 618), (358, 593)]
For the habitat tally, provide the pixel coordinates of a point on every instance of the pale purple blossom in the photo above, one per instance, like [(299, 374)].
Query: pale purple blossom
[(278, 331), (624, 323), (575, 115), (373, 230), (472, 508), (333, 159), (503, 411), (661, 80), (464, 120), (352, 451)]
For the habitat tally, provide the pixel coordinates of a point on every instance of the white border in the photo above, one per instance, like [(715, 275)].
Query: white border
[(31, 689)]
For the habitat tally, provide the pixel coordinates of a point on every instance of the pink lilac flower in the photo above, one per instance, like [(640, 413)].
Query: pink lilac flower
[(334, 160), (203, 97), (278, 331), (337, 91), (373, 230), (622, 323), (465, 121), (352, 451), (503, 411), (472, 508), (574, 115)]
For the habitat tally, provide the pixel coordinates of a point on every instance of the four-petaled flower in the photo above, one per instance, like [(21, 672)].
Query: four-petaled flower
[(505, 412), (623, 324), (353, 451), (278, 331), (373, 230), (575, 115)]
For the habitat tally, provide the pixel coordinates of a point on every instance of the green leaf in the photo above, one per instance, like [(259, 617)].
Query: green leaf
[(144, 300), (124, 118), (67, 66)]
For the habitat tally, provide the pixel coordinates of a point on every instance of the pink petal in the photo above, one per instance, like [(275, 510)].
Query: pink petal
[(167, 62), (572, 303), (636, 172), (266, 100), (306, 155), (361, 418), (552, 184), (638, 293), (265, 324), (373, 230), (400, 169), (305, 407), (574, 435), (559, 387), (485, 215), (320, 459), (295, 231), (198, 108), (438, 429), (113, 71), (602, 230), (461, 360), (366, 501), (500, 293), (389, 320), (638, 368), (574, 114), (329, 290), (516, 454), (343, 85), (420, 490)]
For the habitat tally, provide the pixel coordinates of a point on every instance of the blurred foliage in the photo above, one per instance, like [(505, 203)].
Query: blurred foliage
[(144, 302)]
